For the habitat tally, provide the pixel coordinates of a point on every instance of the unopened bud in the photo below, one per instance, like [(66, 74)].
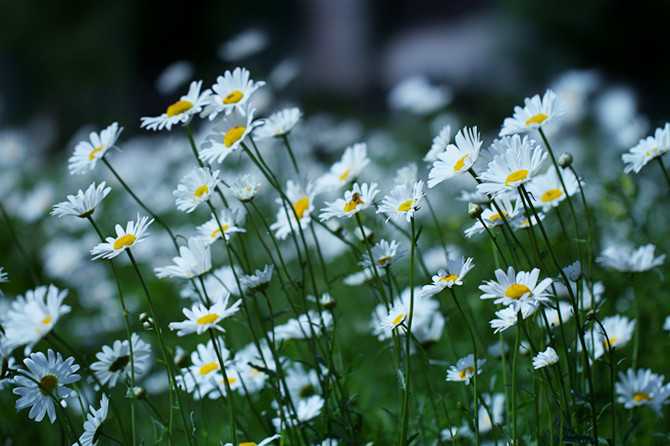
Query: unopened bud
[(474, 210), (565, 160), (144, 317), (139, 392)]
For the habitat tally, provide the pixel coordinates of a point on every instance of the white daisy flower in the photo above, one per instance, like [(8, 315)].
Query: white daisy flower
[(134, 233), (257, 281), (555, 316), (456, 158), (278, 124), (113, 363), (395, 317), (231, 91), (179, 112), (194, 188), (383, 254), (642, 387), (302, 200), (244, 187), (210, 231), (306, 410), (302, 383), (496, 403), (457, 268), (516, 164), (201, 318), (200, 378), (87, 153), (403, 201), (427, 321), (464, 369), (193, 261), (535, 113), (83, 204), (348, 168), (359, 198), (228, 135), (304, 326), (626, 258), (46, 378), (545, 358), (505, 318), (439, 145), (94, 420), (618, 332), (546, 190), (510, 208), (264, 442), (647, 150), (519, 290), (33, 315)]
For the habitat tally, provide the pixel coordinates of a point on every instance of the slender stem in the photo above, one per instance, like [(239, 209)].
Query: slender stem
[(663, 168), (517, 339), (226, 383), (19, 246), (290, 153), (406, 410)]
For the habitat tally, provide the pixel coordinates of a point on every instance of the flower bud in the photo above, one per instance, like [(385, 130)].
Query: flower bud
[(474, 210), (565, 160), (139, 392)]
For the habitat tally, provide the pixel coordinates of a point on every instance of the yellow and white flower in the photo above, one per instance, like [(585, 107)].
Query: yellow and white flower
[(427, 321), (545, 358), (383, 254), (302, 201), (618, 332), (546, 189), (278, 124), (179, 112), (87, 153), (201, 318), (244, 187), (519, 290), (134, 233), (403, 201), (505, 318), (193, 261), (465, 369), (195, 188), (642, 387), (647, 149), (456, 158), (347, 169), (359, 198), (228, 135), (232, 91), (83, 204), (457, 268), (535, 113), (201, 377), (210, 231)]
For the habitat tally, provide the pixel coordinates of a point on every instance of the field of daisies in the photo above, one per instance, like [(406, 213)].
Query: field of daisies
[(242, 272)]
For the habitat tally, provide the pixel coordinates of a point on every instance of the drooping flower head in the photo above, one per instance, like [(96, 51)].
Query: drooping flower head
[(278, 124), (465, 369), (83, 204)]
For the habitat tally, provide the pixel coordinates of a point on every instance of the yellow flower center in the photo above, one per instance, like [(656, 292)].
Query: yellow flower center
[(551, 195), (398, 319), (233, 97), (460, 163), (47, 319), (178, 108), (93, 154), (48, 383), (300, 206), (449, 278), (516, 176), (641, 397), (208, 368), (352, 204), (536, 119), (232, 380), (516, 291), (611, 341), (406, 205), (207, 319), (383, 260), (233, 135), (344, 176), (248, 443), (216, 232), (496, 217), (201, 190), (125, 241), (652, 153), (465, 372)]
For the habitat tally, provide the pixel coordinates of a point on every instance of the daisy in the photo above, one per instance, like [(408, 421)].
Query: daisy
[(545, 358), (231, 91), (383, 254), (210, 231), (113, 363), (348, 168), (244, 187), (626, 258), (193, 261), (257, 281), (301, 382), (642, 388), (457, 268), (201, 318), (547, 191), (519, 290), (304, 326), (647, 150), (195, 188), (278, 124), (535, 113), (517, 164), (306, 409), (464, 369), (228, 135), (87, 153), (94, 420), (44, 380), (510, 209), (505, 318), (33, 315), (439, 145), (618, 332), (179, 112), (262, 443), (200, 378), (403, 201), (134, 233), (555, 316), (395, 317), (456, 158), (302, 201), (359, 198), (83, 204)]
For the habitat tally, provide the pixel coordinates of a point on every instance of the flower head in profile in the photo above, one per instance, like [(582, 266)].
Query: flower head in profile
[(403, 201), (629, 259), (201, 318), (546, 190), (244, 188), (647, 150), (83, 204), (536, 112), (228, 135), (210, 231), (181, 111), (439, 145), (232, 91), (94, 420), (545, 358), (508, 209), (347, 169), (465, 369), (519, 290), (193, 261), (302, 201), (44, 379), (278, 124), (516, 163), (87, 153), (359, 198), (457, 268), (134, 233), (194, 188), (642, 387), (257, 281), (506, 318), (113, 362), (456, 158), (618, 332), (205, 370), (383, 254)]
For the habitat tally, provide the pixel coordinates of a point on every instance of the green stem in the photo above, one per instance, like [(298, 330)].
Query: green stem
[(290, 153)]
